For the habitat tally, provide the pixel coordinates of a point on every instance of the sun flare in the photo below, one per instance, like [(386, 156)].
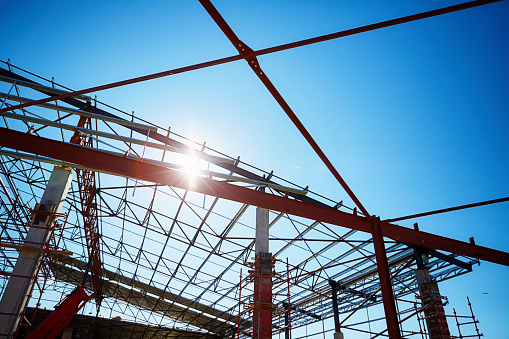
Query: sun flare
[(191, 168)]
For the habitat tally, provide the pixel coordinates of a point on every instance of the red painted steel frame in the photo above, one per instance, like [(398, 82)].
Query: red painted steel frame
[(87, 188), (372, 27), (450, 209), (249, 55), (341, 34), (391, 315), (135, 168), (231, 192)]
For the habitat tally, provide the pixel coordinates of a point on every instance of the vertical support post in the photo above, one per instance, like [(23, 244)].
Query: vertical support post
[(17, 292), (262, 313), (384, 276), (431, 300), (335, 309), (287, 320), (473, 319), (287, 305), (262, 230), (240, 308), (457, 323)]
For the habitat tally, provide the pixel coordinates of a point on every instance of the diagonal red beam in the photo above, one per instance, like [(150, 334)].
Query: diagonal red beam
[(450, 209), (249, 55), (135, 168), (124, 82), (372, 27), (300, 43)]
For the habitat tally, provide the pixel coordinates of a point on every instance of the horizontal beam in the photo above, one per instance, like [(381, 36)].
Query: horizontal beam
[(231, 167), (337, 286), (46, 122), (118, 121), (144, 143), (441, 256), (149, 172), (128, 124), (41, 87), (210, 174), (302, 311), (35, 249)]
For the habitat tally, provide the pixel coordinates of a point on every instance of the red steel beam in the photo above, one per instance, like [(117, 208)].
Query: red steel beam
[(341, 34), (450, 209), (249, 55), (384, 275), (135, 168), (376, 26), (124, 82)]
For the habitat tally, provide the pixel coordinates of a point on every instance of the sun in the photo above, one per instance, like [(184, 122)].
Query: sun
[(191, 168)]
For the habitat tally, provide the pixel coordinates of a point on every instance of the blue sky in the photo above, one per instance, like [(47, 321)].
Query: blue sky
[(414, 116)]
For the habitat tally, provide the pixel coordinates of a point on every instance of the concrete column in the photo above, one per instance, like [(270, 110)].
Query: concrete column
[(18, 289), (262, 314), (262, 230), (431, 300)]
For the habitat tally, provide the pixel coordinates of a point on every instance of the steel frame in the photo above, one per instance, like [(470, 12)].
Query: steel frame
[(134, 168), (87, 190), (137, 254)]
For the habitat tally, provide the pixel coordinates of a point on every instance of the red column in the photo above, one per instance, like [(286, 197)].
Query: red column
[(384, 276)]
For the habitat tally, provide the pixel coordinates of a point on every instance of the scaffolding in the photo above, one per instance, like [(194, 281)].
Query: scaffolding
[(48, 252), (87, 188), (467, 321), (280, 305)]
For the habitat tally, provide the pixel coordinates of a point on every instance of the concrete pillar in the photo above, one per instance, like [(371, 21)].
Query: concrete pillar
[(18, 289), (262, 314), (262, 230), (431, 300)]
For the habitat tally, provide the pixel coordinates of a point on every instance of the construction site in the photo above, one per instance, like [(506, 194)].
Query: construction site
[(114, 225)]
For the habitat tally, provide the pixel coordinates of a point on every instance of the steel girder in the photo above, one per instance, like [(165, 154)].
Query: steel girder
[(119, 165)]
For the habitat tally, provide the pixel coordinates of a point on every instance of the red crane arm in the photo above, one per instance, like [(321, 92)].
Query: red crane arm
[(56, 321)]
